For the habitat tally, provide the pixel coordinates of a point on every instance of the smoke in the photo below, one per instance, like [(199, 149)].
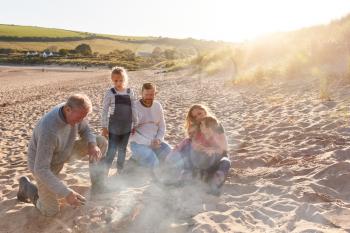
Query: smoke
[(139, 202)]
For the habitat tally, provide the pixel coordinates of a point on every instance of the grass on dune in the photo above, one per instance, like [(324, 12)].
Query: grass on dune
[(31, 31), (127, 38)]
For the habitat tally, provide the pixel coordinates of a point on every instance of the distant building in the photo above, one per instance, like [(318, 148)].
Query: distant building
[(32, 54), (47, 54)]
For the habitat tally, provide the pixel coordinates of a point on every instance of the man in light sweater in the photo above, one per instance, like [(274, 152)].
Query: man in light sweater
[(147, 141), (53, 143)]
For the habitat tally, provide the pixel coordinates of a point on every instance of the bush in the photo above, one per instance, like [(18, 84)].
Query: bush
[(84, 49), (63, 52), (6, 51), (157, 51)]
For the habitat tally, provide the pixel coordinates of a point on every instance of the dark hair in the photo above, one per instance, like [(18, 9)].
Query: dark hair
[(148, 86)]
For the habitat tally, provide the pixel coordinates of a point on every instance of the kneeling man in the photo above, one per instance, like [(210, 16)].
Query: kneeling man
[(52, 144)]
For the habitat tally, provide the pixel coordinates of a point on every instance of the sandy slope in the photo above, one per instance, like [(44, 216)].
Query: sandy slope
[(290, 153)]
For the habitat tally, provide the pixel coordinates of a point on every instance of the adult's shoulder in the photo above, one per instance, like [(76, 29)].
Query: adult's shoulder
[(157, 104), (51, 121), (132, 94)]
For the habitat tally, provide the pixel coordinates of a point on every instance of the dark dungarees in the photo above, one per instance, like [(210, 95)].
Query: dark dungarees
[(119, 129)]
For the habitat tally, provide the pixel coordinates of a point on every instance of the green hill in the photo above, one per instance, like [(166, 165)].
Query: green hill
[(15, 31), (24, 38), (133, 52)]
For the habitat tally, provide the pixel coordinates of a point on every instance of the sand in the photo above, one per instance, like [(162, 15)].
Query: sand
[(289, 150)]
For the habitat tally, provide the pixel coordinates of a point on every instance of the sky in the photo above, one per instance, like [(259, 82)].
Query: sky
[(227, 20)]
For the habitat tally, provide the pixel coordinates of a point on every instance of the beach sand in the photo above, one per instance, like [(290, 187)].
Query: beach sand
[(289, 150)]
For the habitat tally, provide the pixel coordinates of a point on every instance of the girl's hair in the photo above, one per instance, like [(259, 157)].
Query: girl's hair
[(189, 121), (122, 72), (211, 122)]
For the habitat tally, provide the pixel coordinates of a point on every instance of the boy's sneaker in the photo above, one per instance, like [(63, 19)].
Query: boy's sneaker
[(216, 183), (214, 190)]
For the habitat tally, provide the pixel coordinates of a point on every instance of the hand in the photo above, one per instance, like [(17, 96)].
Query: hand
[(198, 147), (75, 199), (94, 152), (155, 143), (105, 132)]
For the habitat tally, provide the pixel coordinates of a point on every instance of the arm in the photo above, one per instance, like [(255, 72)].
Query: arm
[(192, 129), (133, 108), (220, 145), (161, 129), (87, 135), (46, 144), (85, 132), (104, 115), (221, 141)]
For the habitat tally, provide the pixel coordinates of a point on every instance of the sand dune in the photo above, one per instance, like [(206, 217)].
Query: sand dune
[(290, 153)]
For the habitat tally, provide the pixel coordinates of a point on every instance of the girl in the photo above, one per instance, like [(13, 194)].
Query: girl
[(175, 160), (118, 115), (208, 155), (180, 159)]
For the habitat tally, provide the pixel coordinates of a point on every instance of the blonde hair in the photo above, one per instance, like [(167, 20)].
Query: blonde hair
[(122, 72), (189, 121), (211, 122), (79, 101)]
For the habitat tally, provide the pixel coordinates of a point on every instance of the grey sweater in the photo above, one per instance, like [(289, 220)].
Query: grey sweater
[(51, 145)]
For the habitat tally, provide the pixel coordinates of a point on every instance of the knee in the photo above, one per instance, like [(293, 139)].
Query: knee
[(153, 164), (225, 165), (164, 150), (48, 211), (165, 147), (174, 159), (149, 159)]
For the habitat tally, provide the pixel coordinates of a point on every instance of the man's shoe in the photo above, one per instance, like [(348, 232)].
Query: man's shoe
[(27, 191)]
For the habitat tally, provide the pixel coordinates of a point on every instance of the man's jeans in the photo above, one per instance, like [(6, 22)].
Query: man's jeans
[(147, 156)]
